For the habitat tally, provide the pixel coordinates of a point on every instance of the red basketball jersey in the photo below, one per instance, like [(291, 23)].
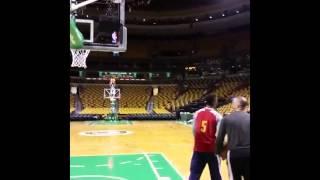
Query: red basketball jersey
[(205, 128)]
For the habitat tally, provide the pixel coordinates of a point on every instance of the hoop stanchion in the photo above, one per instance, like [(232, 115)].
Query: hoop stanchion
[(113, 94)]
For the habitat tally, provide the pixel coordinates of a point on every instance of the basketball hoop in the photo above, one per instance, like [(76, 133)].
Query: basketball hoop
[(79, 57)]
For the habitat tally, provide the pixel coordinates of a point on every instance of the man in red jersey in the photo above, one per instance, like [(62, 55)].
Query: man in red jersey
[(205, 125)]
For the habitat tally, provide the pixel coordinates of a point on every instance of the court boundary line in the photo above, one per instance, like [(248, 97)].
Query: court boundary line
[(171, 164), (77, 166), (152, 166)]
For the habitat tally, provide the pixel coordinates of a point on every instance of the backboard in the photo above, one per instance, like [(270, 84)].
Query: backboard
[(102, 24), (111, 93)]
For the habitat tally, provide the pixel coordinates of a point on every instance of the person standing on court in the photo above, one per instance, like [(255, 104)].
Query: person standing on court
[(204, 129), (237, 127)]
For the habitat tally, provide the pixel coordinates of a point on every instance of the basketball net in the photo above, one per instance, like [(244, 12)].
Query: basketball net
[(79, 57)]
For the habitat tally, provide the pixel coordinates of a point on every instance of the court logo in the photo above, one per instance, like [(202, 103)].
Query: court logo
[(105, 133)]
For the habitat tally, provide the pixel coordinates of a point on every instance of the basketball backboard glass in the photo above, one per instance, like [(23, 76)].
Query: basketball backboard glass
[(103, 26)]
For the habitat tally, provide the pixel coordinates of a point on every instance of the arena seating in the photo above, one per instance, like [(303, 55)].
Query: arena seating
[(162, 101), (195, 90), (200, 83), (95, 111), (161, 111), (134, 98), (189, 96), (72, 105), (225, 89), (92, 96), (227, 86), (132, 111), (225, 109), (151, 117)]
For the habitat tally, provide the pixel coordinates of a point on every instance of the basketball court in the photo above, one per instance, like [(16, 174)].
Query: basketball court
[(123, 166), (113, 149), (137, 150)]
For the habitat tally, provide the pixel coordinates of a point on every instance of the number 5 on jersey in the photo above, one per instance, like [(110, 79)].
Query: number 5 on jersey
[(203, 126)]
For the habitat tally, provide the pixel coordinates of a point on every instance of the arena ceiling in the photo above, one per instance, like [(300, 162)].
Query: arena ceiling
[(156, 5), (157, 18), (159, 5)]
